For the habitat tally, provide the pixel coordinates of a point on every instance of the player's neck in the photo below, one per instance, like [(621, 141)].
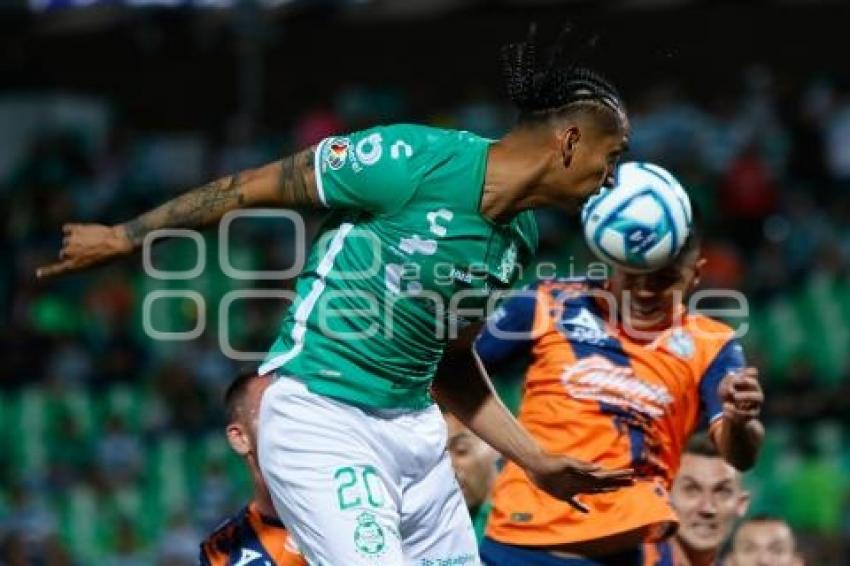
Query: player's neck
[(263, 502), (513, 175), (262, 498)]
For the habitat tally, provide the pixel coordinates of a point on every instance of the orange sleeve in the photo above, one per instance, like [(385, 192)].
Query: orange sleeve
[(211, 556)]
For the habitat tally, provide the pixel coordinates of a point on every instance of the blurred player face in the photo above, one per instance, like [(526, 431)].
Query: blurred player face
[(588, 156), (651, 300), (764, 543), (473, 460), (242, 433), (708, 498)]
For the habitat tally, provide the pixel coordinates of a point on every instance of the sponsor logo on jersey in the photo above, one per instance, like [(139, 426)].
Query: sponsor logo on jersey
[(508, 263), (248, 556), (369, 536), (369, 150), (598, 379), (584, 327), (335, 153)]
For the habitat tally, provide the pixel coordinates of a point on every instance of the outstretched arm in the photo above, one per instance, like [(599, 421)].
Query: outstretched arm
[(464, 388), (738, 434), (288, 182)]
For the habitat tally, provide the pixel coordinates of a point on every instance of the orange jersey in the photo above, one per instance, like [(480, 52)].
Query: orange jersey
[(594, 393), (665, 553), (249, 536)]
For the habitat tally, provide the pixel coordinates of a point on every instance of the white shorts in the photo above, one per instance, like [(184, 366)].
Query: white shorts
[(361, 487)]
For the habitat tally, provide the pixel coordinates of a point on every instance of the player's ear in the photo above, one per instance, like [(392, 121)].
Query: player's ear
[(569, 138), (698, 267), (238, 439), (743, 504)]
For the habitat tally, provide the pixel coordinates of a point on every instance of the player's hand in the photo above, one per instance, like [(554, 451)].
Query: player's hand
[(742, 395), (564, 477), (86, 245)]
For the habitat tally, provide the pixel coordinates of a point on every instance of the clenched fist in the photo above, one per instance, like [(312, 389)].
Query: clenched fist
[(742, 395)]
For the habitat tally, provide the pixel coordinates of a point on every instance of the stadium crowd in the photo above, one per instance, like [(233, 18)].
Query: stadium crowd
[(115, 453)]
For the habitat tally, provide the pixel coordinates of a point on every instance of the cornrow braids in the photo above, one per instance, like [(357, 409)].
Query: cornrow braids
[(539, 93)]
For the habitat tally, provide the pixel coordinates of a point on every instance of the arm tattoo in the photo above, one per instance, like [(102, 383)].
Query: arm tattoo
[(190, 210), (296, 187), (297, 182)]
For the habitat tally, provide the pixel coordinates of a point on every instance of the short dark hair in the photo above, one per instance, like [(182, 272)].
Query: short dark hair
[(555, 89), (696, 234), (701, 445), (235, 393), (765, 518)]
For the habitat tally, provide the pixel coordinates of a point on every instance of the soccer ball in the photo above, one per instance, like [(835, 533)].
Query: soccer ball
[(641, 223)]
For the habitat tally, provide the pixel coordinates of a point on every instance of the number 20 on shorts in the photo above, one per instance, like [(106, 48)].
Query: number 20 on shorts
[(357, 486)]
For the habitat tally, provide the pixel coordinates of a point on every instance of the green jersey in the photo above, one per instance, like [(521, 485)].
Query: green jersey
[(404, 257)]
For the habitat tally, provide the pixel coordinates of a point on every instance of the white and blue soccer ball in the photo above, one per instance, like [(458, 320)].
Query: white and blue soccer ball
[(641, 223)]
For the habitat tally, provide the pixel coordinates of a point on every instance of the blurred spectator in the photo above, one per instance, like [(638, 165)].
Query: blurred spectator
[(70, 363), (798, 397), (316, 125), (127, 549), (723, 268), (215, 497), (179, 546), (481, 115), (838, 142), (119, 452), (187, 406), (71, 452), (747, 195), (13, 550), (28, 523)]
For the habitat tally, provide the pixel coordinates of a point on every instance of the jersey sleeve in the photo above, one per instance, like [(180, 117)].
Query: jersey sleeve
[(729, 358), (371, 170), (204, 557), (508, 332)]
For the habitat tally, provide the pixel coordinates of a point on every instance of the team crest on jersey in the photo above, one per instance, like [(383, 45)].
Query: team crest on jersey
[(369, 536), (335, 153), (681, 343)]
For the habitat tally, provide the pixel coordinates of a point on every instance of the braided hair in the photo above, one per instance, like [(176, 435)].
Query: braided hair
[(541, 92)]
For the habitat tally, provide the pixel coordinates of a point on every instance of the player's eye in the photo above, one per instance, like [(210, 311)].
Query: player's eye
[(724, 492)]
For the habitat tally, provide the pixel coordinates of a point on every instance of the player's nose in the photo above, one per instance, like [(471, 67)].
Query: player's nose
[(706, 508)]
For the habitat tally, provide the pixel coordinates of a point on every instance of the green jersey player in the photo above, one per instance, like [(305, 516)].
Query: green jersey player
[(424, 223)]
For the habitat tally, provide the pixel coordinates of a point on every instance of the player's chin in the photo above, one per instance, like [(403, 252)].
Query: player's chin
[(640, 319)]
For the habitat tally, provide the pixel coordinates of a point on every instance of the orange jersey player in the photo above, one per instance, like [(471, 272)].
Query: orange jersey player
[(255, 533), (620, 375), (247, 536)]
